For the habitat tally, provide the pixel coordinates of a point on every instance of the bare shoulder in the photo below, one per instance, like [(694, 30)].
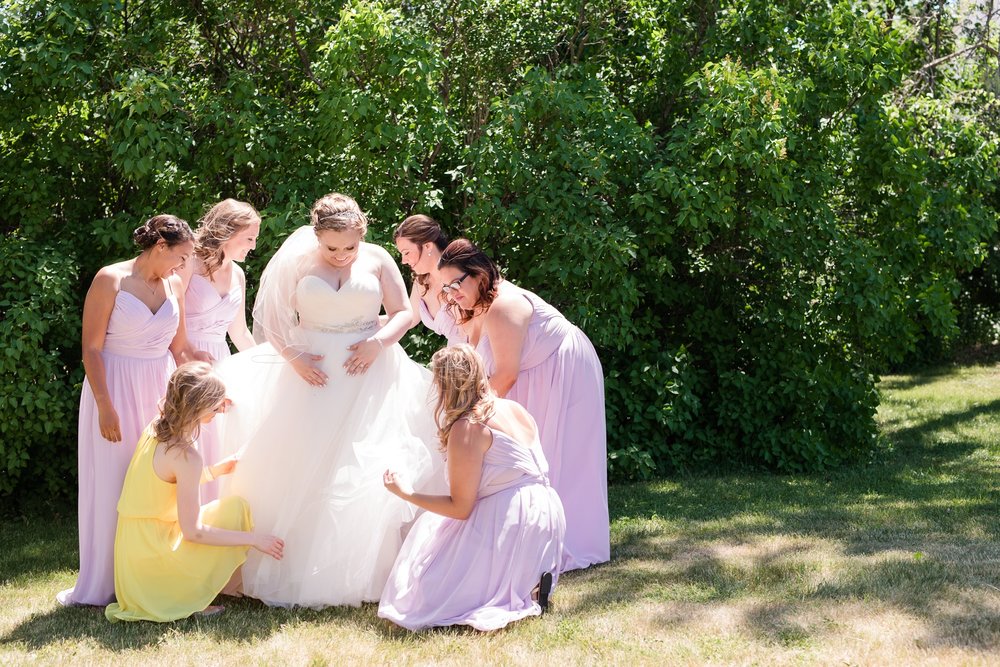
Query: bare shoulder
[(510, 303), (466, 434), (108, 278), (377, 253), (239, 273)]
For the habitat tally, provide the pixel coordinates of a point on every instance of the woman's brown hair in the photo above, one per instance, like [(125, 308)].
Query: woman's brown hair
[(463, 255), (221, 223), (420, 229)]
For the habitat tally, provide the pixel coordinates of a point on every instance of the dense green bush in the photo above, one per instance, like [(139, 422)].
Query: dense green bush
[(750, 207)]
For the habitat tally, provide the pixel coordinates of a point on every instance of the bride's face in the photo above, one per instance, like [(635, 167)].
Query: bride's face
[(339, 249)]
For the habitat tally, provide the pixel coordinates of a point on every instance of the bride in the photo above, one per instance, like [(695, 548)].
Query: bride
[(322, 408)]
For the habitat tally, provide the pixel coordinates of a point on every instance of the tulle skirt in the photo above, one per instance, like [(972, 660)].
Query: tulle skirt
[(311, 467)]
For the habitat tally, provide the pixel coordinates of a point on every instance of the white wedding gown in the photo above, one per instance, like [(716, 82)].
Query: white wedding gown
[(313, 457)]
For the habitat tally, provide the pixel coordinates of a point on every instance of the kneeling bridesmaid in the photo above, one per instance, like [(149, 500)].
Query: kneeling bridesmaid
[(173, 555), (486, 554)]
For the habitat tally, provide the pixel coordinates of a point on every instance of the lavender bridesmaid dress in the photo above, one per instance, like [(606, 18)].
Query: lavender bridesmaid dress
[(137, 365), (443, 323), (562, 385), (207, 317), (481, 571)]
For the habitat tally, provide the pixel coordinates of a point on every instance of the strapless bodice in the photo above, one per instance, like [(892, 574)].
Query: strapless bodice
[(353, 307)]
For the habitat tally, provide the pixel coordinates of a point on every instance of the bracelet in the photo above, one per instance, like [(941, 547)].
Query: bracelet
[(381, 345)]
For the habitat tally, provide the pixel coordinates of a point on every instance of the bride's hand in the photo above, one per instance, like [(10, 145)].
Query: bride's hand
[(397, 484), (270, 545), (304, 365), (365, 352)]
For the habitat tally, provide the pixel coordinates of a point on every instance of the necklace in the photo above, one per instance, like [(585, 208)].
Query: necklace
[(138, 276)]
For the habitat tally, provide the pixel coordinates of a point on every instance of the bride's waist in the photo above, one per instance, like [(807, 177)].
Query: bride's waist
[(357, 325)]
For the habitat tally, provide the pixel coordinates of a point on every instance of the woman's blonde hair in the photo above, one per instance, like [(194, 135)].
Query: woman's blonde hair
[(221, 223), (338, 213), (463, 389), (192, 391)]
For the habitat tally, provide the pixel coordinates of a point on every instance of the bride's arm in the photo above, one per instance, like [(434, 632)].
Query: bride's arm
[(397, 307)]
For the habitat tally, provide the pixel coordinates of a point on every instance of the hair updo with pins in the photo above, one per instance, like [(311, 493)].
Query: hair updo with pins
[(171, 229), (338, 213)]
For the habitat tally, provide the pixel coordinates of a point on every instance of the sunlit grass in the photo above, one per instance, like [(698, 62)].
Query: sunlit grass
[(896, 562)]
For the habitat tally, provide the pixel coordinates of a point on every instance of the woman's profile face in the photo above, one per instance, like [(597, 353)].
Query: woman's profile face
[(241, 243), (171, 258), (339, 249), (416, 256)]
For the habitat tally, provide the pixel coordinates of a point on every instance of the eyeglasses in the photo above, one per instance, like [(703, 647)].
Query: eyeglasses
[(455, 284)]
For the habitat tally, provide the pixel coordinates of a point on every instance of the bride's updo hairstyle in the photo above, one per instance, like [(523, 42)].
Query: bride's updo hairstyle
[(463, 389), (338, 213), (418, 230), (223, 221), (192, 391), (463, 255), (171, 229)]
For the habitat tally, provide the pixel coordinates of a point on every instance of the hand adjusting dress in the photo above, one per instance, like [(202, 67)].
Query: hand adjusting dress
[(481, 571), (314, 456), (159, 576)]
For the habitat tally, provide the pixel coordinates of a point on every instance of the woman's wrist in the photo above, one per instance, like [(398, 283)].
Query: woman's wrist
[(381, 343), (210, 473)]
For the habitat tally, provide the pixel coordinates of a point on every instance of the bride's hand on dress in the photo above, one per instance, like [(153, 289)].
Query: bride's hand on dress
[(270, 545), (397, 484), (304, 366), (364, 355)]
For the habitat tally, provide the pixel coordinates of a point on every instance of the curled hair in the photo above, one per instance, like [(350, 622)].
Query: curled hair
[(171, 229), (338, 213), (192, 391), (463, 389), (463, 255), (223, 221), (420, 229)]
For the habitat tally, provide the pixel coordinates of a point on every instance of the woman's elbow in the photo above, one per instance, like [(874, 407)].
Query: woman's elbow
[(195, 534)]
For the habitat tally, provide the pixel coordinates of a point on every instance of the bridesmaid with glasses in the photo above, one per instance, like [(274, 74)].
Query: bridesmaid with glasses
[(536, 357)]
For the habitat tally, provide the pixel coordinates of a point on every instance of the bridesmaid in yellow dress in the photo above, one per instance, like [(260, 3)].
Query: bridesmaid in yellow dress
[(173, 555)]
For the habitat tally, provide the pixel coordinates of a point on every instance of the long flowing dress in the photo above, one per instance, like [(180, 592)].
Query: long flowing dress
[(561, 384), (481, 571), (207, 316), (313, 457), (159, 576), (137, 365), (442, 323)]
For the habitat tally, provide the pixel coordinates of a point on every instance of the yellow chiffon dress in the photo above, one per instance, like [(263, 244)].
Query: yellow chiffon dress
[(159, 576)]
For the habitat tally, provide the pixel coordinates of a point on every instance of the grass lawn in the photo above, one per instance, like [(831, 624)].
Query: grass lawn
[(893, 563)]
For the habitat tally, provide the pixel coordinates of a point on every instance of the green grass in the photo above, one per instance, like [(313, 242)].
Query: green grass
[(895, 562)]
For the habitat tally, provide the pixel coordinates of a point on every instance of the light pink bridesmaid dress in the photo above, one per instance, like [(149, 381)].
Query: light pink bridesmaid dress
[(481, 571), (137, 365), (561, 384), (443, 323), (207, 316)]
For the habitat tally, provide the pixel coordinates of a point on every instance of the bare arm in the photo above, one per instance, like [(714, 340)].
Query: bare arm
[(467, 445), (180, 346), (187, 470), (506, 325), (97, 308), (397, 308), (239, 332)]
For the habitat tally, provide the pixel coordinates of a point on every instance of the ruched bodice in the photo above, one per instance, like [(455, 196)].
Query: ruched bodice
[(353, 307), (135, 331), (443, 323), (509, 464), (207, 314)]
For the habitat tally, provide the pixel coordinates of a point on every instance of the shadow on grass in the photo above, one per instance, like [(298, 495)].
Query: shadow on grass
[(244, 620)]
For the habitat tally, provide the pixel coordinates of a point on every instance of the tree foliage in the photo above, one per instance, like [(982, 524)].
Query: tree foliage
[(749, 207)]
